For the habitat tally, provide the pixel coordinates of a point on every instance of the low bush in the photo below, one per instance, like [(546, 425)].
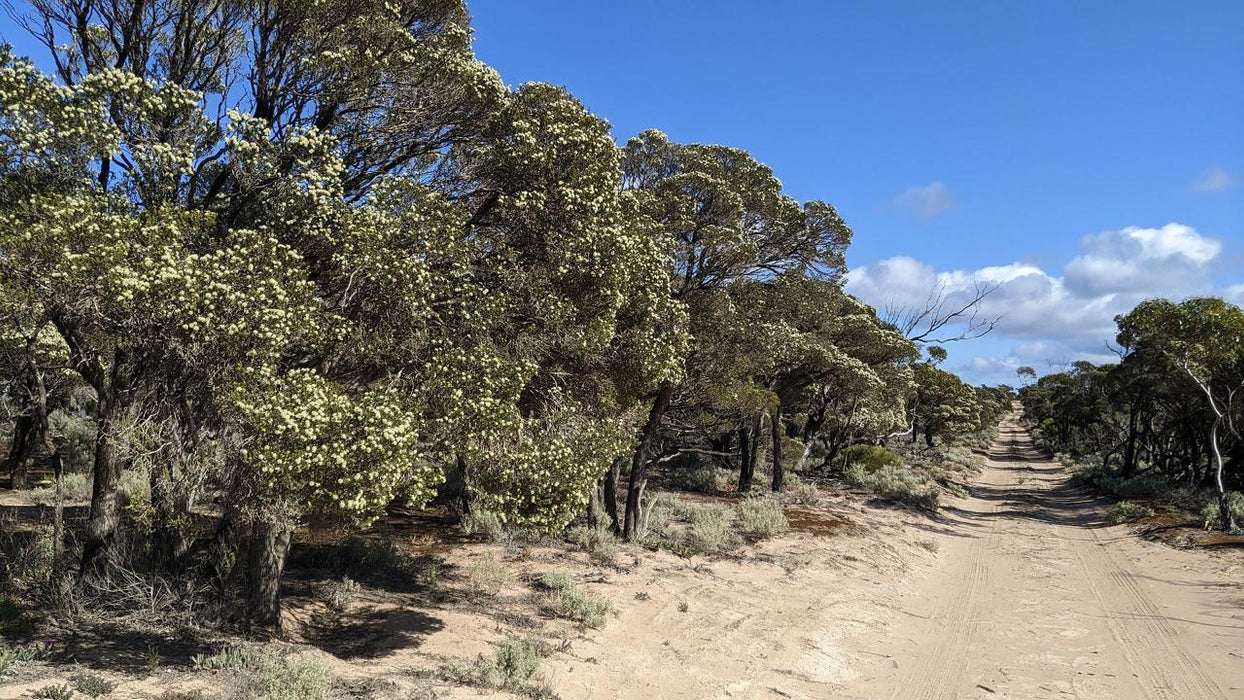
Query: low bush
[(869, 457), (487, 576), (711, 529), (11, 657), (801, 492), (264, 674), (761, 517), (92, 685), (75, 488), (894, 483), (1129, 511), (568, 600), (513, 667), (51, 692), (341, 593), (599, 543), (484, 523), (703, 478), (1210, 511)]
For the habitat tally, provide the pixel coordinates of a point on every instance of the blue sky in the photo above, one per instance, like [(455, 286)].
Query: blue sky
[(1083, 155), (964, 136)]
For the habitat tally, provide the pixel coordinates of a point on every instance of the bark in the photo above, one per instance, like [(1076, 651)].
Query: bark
[(639, 461), (105, 515), (169, 542), (1224, 507), (749, 450), (610, 495), (779, 475), (24, 439), (58, 467), (594, 506), (1129, 448), (266, 562)]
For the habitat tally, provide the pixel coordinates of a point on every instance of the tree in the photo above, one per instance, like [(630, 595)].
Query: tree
[(1204, 337), (725, 219)]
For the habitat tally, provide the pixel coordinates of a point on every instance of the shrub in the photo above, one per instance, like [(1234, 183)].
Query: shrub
[(701, 479), (487, 576), (92, 684), (75, 438), (1235, 503), (76, 488), (870, 457), (134, 489), (52, 692), (484, 523), (1128, 511), (29, 557), (893, 482), (341, 593), (259, 674), (567, 600), (517, 661), (798, 491), (711, 528), (513, 665), (598, 542), (761, 517)]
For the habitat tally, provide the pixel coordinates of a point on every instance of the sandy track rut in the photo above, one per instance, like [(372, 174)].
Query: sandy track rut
[(1036, 597)]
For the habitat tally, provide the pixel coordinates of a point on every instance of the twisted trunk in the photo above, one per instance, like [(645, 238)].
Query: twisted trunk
[(265, 565), (639, 461)]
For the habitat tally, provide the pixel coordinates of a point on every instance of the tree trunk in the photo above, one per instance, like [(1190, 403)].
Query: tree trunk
[(169, 542), (1224, 506), (639, 461), (745, 458), (610, 494), (24, 439), (1129, 448), (105, 515), (268, 547), (779, 476)]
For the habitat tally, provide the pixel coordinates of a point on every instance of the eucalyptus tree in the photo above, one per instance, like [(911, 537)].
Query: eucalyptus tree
[(725, 219), (1204, 338)]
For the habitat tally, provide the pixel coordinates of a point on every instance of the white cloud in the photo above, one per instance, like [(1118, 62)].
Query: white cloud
[(926, 202), (1052, 319), (1234, 294), (1215, 179), (1174, 259)]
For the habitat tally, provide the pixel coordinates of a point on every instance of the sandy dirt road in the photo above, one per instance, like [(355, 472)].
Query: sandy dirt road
[(1033, 596), (1030, 595)]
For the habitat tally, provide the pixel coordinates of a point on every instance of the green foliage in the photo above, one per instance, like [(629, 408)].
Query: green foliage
[(893, 482), (75, 488), (12, 656), (1211, 513), (487, 576), (761, 517), (598, 542), (870, 457), (52, 692), (514, 666), (712, 529), (1128, 511), (93, 685), (484, 523), (568, 600), (704, 478), (266, 674)]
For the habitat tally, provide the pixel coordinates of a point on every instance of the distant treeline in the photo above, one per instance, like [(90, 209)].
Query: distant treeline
[(1170, 412)]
